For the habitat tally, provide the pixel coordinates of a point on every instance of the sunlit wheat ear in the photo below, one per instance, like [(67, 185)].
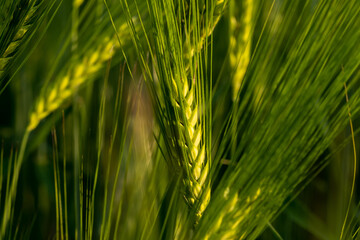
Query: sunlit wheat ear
[(197, 167), (66, 85), (23, 30), (241, 28)]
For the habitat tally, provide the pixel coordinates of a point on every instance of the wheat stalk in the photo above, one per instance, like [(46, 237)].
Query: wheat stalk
[(240, 27), (66, 85), (16, 41)]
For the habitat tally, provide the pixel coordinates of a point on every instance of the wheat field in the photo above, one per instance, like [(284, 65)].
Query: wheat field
[(179, 119)]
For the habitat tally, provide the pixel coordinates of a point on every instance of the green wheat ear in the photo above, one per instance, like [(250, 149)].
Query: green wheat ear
[(181, 46), (232, 215), (19, 36), (66, 85), (197, 166), (241, 28)]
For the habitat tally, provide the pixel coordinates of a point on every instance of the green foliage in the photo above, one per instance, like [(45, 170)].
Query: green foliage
[(186, 119)]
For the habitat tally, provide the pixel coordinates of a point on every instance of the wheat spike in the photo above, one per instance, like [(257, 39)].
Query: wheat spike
[(241, 27), (231, 216), (66, 85), (196, 168), (16, 41)]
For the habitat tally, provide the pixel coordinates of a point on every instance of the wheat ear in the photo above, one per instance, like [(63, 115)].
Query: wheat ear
[(197, 167), (231, 216), (240, 27), (207, 27), (16, 41), (66, 85)]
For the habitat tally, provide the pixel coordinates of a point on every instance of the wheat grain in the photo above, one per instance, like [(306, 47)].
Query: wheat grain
[(66, 85), (241, 27)]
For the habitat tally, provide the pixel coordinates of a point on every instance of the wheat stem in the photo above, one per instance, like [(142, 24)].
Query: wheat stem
[(10, 196)]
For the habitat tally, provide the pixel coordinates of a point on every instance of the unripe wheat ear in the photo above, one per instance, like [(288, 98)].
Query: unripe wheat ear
[(65, 86), (195, 164)]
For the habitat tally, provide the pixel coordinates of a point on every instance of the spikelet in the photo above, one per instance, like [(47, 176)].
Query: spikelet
[(66, 85), (19, 36), (241, 28)]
